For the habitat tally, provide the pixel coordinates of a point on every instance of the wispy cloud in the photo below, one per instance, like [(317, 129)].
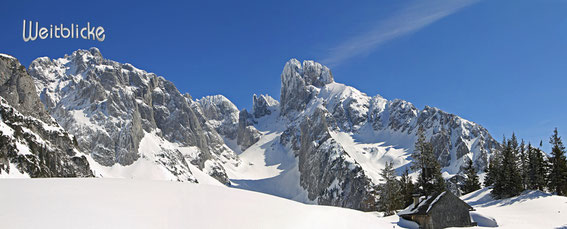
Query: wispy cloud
[(416, 15)]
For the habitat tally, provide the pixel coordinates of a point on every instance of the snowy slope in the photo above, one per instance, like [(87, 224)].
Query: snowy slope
[(267, 166), (118, 203), (532, 209), (122, 203)]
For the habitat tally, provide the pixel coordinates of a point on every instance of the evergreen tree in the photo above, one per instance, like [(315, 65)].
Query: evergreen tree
[(491, 171), (390, 198), (514, 143), (508, 181), (558, 172), (537, 168), (523, 157), (408, 189), (471, 182), (430, 180)]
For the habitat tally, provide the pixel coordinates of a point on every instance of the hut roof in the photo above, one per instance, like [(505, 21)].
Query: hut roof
[(426, 204)]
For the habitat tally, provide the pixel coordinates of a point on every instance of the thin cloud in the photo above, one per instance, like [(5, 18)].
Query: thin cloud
[(417, 15)]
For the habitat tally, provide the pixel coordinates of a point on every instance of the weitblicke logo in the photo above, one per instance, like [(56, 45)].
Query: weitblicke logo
[(87, 32)]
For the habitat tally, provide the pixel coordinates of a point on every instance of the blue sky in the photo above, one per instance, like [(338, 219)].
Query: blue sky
[(502, 64)]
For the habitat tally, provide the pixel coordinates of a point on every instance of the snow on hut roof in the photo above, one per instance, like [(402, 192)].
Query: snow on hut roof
[(424, 206)]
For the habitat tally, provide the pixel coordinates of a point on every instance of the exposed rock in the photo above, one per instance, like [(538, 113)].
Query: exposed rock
[(236, 125), (221, 114), (247, 133), (300, 84), (18, 89), (31, 143), (264, 105), (328, 173)]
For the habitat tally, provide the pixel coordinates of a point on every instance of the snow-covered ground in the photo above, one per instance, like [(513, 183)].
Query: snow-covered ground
[(134, 203), (532, 209), (126, 203)]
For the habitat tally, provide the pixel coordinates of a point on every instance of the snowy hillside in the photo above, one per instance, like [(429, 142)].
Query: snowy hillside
[(119, 203), (531, 209), (123, 203)]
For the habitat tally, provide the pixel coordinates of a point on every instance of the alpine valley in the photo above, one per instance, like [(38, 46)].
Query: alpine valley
[(323, 143)]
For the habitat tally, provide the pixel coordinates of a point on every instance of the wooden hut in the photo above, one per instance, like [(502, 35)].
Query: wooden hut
[(438, 211)]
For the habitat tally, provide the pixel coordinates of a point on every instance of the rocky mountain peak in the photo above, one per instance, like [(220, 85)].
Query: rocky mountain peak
[(300, 82)]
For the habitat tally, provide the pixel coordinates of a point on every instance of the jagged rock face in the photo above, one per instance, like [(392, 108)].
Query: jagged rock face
[(30, 141), (452, 136), (328, 173), (300, 84), (110, 106), (264, 105), (18, 89), (247, 133), (223, 115), (220, 113)]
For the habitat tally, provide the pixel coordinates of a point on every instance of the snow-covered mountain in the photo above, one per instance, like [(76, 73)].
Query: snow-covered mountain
[(342, 138), (323, 143), (117, 110)]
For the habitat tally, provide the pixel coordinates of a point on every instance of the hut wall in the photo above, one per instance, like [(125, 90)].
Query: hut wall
[(449, 211)]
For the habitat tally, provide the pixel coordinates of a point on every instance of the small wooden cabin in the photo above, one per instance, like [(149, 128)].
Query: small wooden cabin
[(438, 211)]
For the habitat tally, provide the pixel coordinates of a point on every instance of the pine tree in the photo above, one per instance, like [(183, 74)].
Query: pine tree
[(390, 198), (537, 168), (514, 143), (471, 182), (558, 172), (430, 179), (508, 181), (523, 157), (494, 167), (408, 189), (491, 171)]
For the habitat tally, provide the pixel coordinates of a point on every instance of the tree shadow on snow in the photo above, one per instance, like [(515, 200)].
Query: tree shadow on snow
[(526, 195)]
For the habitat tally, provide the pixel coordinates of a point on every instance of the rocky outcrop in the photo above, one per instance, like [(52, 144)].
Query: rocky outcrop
[(31, 143), (18, 89), (247, 133), (221, 114), (264, 105), (232, 124), (110, 107), (300, 83), (328, 173)]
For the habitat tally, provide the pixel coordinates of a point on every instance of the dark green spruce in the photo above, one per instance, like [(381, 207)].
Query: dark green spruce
[(430, 180), (558, 172), (472, 182)]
